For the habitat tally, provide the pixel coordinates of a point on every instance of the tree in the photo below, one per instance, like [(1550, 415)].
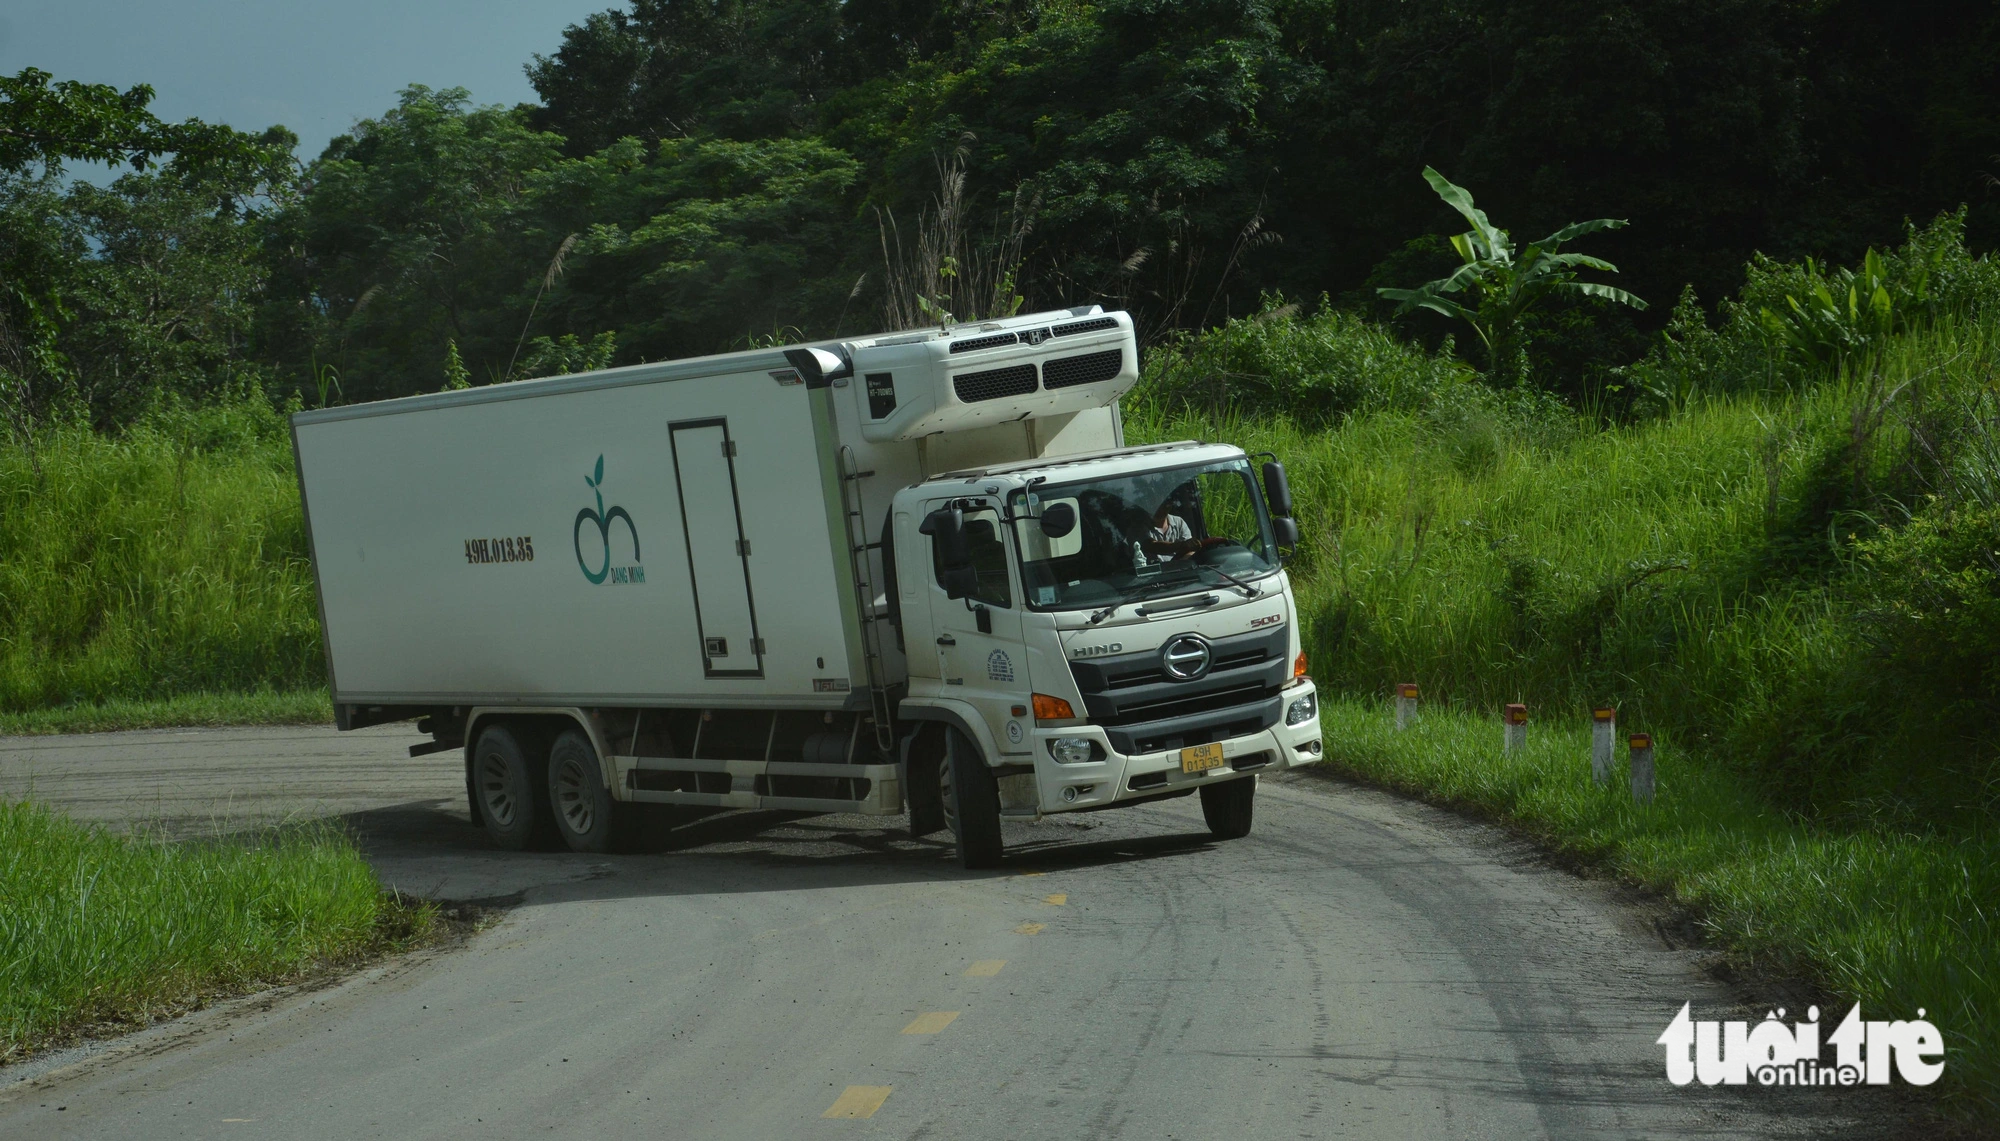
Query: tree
[(738, 69), (163, 303), (152, 261), (1505, 286), (410, 234)]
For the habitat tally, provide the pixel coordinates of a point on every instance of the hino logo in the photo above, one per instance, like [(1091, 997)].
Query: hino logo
[(1095, 651), (1185, 657)]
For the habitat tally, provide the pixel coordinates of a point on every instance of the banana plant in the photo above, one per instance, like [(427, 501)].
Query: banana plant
[(1500, 284)]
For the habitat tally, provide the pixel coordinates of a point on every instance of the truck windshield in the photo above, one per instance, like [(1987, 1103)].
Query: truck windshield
[(1142, 535)]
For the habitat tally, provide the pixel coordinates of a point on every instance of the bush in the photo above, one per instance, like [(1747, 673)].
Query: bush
[(1316, 369), (1792, 320)]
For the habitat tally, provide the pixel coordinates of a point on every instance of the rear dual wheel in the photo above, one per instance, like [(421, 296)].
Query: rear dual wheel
[(534, 793), (585, 813), (510, 786)]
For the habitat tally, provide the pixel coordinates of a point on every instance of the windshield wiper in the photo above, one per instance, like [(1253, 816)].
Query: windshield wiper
[(1140, 596), (1250, 590)]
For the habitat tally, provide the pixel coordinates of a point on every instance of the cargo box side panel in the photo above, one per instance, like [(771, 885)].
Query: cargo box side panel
[(550, 548)]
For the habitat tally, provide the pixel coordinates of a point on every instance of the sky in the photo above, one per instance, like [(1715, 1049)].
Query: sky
[(313, 65)]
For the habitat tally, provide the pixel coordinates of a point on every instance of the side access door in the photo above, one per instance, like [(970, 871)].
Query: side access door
[(718, 556), (978, 638)]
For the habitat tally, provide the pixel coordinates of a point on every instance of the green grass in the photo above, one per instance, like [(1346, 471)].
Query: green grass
[(99, 927), (170, 561), (264, 707), (1895, 920), (1703, 572)]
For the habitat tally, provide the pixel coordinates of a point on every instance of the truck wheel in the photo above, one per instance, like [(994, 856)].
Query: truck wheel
[(971, 802), (924, 753), (508, 776), (586, 815), (1227, 807)]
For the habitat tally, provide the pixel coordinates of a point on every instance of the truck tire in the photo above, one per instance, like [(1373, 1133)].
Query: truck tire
[(510, 781), (1227, 807), (971, 802), (585, 813), (923, 754)]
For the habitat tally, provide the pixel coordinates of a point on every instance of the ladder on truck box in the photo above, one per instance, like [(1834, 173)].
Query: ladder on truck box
[(858, 548)]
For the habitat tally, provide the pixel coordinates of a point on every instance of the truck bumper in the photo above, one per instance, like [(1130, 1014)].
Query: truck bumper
[(1115, 778)]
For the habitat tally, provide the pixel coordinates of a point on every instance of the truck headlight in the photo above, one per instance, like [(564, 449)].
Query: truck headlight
[(1302, 709), (1073, 750)]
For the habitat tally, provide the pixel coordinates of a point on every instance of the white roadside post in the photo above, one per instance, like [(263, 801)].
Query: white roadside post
[(1406, 704), (1516, 727), (1603, 731), (1642, 767)]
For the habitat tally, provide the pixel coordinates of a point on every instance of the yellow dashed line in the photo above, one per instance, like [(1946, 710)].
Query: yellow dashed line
[(931, 1021), (1025, 875), (1030, 929), (985, 968), (858, 1101), (1058, 899)]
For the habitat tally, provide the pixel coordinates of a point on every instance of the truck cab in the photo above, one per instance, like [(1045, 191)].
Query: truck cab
[(1105, 630)]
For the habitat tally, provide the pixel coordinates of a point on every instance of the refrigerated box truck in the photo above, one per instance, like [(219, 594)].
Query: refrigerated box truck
[(916, 572)]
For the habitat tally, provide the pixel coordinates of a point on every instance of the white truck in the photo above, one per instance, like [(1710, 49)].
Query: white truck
[(915, 569)]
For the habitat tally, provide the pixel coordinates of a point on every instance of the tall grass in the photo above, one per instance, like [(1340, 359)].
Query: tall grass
[(99, 926), (1689, 570), (168, 561)]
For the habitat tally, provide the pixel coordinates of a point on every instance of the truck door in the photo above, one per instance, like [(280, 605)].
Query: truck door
[(718, 555), (979, 649)]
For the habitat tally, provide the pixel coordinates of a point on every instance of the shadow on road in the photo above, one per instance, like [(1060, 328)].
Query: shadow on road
[(428, 848)]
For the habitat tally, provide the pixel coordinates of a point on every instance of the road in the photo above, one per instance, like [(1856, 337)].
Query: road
[(1360, 966)]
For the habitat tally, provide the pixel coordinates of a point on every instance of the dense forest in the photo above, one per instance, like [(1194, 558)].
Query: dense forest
[(701, 176)]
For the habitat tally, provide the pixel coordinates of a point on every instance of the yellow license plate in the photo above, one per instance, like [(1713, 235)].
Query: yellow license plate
[(1201, 758)]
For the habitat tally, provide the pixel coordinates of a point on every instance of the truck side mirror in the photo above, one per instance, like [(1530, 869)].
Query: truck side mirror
[(1277, 492), (1285, 530), (1058, 519)]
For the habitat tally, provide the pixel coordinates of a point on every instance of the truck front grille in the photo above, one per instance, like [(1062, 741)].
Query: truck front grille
[(1068, 372), (1143, 711), (994, 383)]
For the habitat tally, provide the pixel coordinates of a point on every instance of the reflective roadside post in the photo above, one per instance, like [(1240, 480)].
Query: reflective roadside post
[(1642, 767), (1516, 727), (1406, 704), (1603, 731)]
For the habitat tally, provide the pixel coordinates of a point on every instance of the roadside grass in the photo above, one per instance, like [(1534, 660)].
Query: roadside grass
[(1707, 572), (263, 707), (169, 560), (100, 928), (1896, 920)]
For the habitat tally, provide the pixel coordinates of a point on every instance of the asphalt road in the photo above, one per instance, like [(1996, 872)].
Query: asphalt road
[(1358, 967)]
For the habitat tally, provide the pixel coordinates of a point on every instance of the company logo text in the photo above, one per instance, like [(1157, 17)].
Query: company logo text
[(1774, 1054)]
